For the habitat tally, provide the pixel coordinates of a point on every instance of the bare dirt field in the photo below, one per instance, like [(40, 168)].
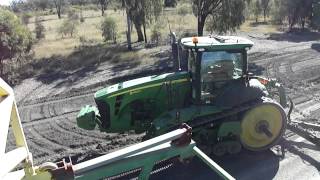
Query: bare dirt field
[(48, 110)]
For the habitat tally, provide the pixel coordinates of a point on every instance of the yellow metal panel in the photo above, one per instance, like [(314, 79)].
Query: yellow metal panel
[(17, 128), (5, 89), (9, 115), (43, 175), (5, 113)]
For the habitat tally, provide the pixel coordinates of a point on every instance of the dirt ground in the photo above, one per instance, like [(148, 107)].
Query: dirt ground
[(48, 110)]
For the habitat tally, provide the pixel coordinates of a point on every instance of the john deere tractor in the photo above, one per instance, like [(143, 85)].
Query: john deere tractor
[(227, 107)]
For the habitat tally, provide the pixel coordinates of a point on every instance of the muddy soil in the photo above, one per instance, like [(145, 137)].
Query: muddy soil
[(48, 110)]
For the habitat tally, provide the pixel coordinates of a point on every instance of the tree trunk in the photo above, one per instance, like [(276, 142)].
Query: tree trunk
[(201, 21), (139, 31), (264, 15), (1, 68), (129, 32), (58, 8), (102, 10), (144, 32)]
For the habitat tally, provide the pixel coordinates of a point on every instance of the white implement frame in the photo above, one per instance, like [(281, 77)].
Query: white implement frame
[(9, 116)]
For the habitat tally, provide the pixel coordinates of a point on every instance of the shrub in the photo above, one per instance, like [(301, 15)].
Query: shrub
[(183, 9), (68, 27), (81, 18), (25, 17), (72, 15), (109, 29), (156, 34), (39, 28)]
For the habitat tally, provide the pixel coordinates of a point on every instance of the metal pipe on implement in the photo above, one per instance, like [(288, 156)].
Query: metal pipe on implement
[(224, 174), (118, 155)]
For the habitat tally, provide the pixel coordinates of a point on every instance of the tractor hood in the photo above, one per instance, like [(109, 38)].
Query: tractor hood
[(136, 85)]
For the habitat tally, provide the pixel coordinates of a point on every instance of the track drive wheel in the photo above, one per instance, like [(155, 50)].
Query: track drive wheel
[(262, 126)]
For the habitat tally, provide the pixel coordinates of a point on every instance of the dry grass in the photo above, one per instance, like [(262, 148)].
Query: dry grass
[(54, 44), (261, 27)]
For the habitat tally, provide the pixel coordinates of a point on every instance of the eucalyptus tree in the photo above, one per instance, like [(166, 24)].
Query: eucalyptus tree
[(225, 14)]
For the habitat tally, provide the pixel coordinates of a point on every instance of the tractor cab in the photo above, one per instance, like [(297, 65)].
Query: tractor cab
[(214, 62)]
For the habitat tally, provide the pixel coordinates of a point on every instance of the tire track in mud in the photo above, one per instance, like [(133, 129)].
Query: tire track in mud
[(295, 81), (51, 130), (67, 124), (47, 142), (57, 127)]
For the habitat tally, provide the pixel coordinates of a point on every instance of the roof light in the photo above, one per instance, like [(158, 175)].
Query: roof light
[(195, 40)]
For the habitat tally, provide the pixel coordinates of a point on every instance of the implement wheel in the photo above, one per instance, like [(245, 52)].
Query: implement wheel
[(262, 126)]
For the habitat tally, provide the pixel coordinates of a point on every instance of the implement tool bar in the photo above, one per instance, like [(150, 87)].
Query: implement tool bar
[(212, 164), (118, 155)]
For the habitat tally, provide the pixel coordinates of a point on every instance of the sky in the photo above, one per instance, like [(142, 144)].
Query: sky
[(5, 2)]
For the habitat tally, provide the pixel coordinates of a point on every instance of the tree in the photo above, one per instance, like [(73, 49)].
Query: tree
[(142, 12), (297, 12), (41, 4), (17, 5), (103, 5), (58, 4), (226, 14), (16, 38), (257, 10), (265, 4)]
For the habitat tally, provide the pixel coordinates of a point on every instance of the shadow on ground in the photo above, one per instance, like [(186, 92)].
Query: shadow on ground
[(246, 165), (316, 46), (295, 36), (255, 24), (297, 149), (78, 64)]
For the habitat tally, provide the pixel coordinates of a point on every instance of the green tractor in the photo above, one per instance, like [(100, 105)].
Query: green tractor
[(227, 107)]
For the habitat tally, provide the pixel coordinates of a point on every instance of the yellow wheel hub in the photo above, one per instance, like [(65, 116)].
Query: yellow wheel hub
[(262, 126)]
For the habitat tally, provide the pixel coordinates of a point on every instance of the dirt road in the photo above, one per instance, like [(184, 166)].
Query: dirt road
[(48, 112)]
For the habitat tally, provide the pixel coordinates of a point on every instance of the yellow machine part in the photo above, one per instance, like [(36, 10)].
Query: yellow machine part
[(267, 114)]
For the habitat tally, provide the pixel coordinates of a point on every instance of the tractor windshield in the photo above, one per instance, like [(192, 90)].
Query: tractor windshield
[(218, 67)]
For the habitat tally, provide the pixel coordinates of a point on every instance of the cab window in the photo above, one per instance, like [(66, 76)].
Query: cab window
[(216, 69)]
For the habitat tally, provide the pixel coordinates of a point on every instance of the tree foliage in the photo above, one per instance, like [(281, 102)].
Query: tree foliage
[(296, 12), (315, 20), (40, 4), (16, 39), (17, 5), (225, 15)]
